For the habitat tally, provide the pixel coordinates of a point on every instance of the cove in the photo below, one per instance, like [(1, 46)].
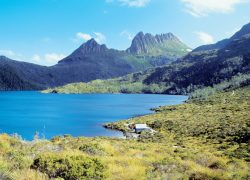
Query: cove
[(28, 112)]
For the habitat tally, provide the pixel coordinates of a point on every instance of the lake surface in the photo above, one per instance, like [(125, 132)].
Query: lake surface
[(26, 113)]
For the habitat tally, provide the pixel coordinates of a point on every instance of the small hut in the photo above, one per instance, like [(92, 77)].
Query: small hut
[(141, 127)]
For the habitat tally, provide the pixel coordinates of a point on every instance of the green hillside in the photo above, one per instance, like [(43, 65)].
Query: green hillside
[(195, 71)]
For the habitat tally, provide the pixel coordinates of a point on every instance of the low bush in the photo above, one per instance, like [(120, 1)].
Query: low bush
[(70, 167), (92, 149), (19, 160)]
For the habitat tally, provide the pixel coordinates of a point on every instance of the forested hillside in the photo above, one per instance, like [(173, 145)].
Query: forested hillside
[(196, 70)]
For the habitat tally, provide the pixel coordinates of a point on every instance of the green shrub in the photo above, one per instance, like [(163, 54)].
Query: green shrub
[(19, 160), (156, 124), (165, 169), (199, 176), (242, 152), (6, 175), (70, 167), (56, 139), (92, 149), (150, 137)]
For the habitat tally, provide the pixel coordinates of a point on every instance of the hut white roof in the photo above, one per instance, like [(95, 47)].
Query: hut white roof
[(141, 126)]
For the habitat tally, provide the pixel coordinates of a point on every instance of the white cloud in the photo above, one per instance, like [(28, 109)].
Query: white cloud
[(36, 58), (7, 52), (47, 59), (127, 34), (205, 38), (83, 36), (99, 37), (11, 54), (52, 58), (200, 8), (131, 3), (134, 3)]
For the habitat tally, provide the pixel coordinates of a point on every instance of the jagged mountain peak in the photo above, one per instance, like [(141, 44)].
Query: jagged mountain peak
[(159, 38), (158, 44), (91, 46), (167, 36), (92, 41), (139, 34)]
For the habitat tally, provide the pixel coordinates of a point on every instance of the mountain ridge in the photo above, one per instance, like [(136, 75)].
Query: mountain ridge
[(221, 44), (196, 70), (88, 62)]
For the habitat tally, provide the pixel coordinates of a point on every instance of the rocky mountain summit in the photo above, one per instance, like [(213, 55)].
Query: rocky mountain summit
[(92, 61), (163, 44), (222, 68), (90, 47)]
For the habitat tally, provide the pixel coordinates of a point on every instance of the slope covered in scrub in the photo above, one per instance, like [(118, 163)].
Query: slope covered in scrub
[(206, 138)]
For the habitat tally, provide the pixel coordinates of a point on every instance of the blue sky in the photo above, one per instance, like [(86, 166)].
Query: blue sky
[(44, 31)]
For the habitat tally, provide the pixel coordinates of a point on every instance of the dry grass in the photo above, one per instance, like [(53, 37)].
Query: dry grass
[(206, 139)]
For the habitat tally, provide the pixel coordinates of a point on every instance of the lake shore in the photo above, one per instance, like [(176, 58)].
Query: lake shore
[(206, 139), (77, 114)]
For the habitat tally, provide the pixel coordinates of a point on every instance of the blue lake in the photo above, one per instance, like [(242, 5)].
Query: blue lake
[(26, 113)]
